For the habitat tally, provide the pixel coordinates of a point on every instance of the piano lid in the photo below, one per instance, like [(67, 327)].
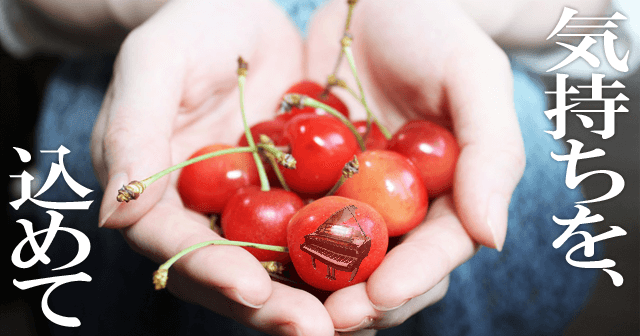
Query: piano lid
[(343, 225)]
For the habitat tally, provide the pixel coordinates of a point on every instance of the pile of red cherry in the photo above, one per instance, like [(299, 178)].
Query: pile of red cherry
[(391, 190)]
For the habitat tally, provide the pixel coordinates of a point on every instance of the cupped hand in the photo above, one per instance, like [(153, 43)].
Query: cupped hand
[(174, 90), (427, 60)]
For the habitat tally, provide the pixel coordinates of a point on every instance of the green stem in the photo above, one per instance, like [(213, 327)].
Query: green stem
[(350, 90), (349, 15), (160, 276), (276, 156), (276, 169), (306, 101), (192, 248), (271, 149), (183, 164), (350, 168), (336, 186), (264, 181), (346, 50), (347, 24)]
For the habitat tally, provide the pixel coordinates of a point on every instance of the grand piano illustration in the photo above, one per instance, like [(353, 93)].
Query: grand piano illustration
[(340, 243)]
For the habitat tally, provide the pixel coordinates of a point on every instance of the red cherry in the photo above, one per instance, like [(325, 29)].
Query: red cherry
[(375, 139), (205, 186), (391, 184), (321, 146), (355, 236), (271, 128), (256, 216), (433, 150), (317, 92)]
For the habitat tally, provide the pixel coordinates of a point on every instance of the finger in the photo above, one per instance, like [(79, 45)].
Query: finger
[(426, 256), (492, 159), (351, 310), (288, 311), (168, 229), (138, 116), (362, 332), (398, 316)]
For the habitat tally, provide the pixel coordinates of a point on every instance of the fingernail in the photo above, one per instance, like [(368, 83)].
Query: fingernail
[(109, 203), (367, 322), (289, 329), (385, 309), (233, 294), (497, 216)]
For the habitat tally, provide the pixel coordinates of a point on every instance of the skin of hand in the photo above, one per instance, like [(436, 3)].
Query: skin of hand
[(173, 88), (427, 60)]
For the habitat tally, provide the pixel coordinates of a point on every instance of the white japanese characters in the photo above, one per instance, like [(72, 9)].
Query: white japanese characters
[(40, 251), (609, 112), (582, 49)]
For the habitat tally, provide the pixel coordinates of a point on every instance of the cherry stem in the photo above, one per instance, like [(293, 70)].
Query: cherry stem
[(334, 81), (285, 159), (213, 224), (346, 50), (352, 4), (271, 152), (161, 275), (284, 149), (347, 24), (296, 99), (242, 77), (279, 175), (350, 168), (273, 267), (133, 190)]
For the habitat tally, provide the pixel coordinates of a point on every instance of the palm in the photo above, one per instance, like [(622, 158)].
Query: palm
[(174, 91), (415, 64)]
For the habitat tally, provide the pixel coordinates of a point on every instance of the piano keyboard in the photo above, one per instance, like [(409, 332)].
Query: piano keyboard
[(330, 258)]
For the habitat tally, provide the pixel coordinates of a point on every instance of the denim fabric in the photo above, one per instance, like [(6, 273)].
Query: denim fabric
[(527, 289)]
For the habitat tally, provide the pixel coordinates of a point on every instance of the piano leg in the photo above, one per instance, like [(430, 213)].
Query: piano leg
[(353, 273), (331, 273), (313, 262)]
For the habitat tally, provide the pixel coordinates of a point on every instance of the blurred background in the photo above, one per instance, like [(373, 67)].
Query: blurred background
[(610, 311)]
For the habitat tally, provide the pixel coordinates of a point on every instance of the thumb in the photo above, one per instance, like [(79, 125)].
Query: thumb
[(131, 137), (492, 158)]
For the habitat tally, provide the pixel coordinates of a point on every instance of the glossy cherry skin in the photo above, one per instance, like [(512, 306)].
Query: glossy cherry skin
[(434, 151), (205, 186), (256, 216), (391, 184), (375, 139), (311, 217), (317, 92), (271, 128), (321, 146)]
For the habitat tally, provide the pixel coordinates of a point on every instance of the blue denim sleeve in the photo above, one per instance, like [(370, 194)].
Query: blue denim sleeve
[(527, 289)]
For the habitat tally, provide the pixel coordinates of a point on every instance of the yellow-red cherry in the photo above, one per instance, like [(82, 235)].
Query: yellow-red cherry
[(335, 242), (205, 186), (391, 184), (434, 151)]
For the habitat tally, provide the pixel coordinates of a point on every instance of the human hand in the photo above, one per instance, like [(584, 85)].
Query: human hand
[(173, 91), (427, 60)]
